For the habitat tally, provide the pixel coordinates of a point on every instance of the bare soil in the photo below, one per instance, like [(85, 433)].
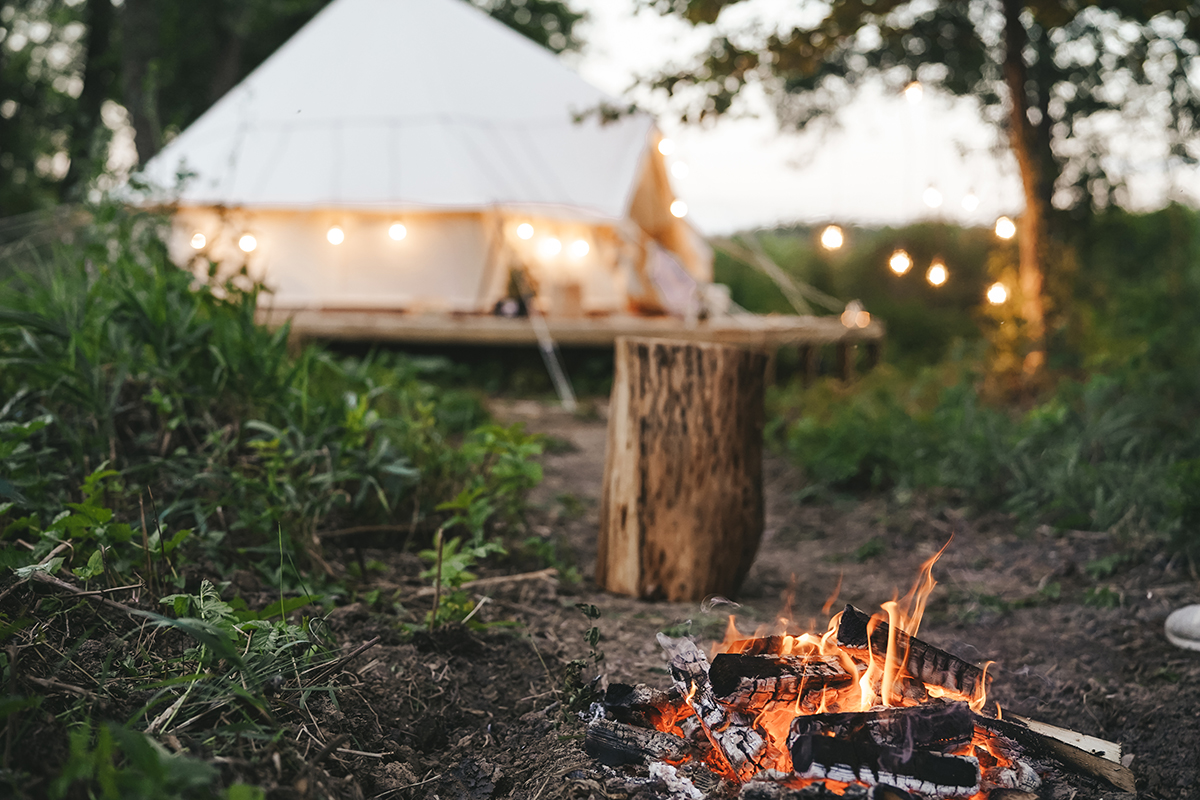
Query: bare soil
[(461, 715)]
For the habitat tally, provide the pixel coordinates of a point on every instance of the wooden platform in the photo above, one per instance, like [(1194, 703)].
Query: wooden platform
[(769, 332)]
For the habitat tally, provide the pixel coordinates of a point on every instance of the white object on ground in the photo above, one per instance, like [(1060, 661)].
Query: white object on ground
[(1183, 627)]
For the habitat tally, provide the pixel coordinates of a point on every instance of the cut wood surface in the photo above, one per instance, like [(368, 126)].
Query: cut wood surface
[(1052, 752), (681, 514), (760, 681), (924, 661)]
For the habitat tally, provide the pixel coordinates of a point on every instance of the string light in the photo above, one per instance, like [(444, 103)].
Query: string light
[(397, 231), (855, 316), (198, 241), (900, 262), (525, 231), (997, 293), (666, 147), (937, 273), (550, 247), (1006, 228), (914, 92), (680, 169), (832, 237), (335, 235), (579, 248), (970, 202), (932, 197), (247, 243), (679, 209)]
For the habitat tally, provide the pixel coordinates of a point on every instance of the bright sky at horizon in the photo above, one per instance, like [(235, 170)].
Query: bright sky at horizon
[(875, 167)]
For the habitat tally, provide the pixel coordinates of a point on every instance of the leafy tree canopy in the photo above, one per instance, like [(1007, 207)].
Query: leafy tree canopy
[(72, 71)]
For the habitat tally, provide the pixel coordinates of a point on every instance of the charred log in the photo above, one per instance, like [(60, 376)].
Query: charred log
[(921, 771), (616, 744), (1044, 753), (941, 727), (645, 707), (760, 681), (922, 660)]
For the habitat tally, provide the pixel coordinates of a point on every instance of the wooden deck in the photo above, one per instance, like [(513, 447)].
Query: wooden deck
[(769, 332)]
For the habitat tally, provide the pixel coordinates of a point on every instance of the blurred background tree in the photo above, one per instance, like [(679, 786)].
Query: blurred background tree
[(73, 71), (1061, 78)]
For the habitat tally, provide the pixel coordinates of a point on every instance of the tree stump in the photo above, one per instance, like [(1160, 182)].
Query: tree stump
[(682, 510)]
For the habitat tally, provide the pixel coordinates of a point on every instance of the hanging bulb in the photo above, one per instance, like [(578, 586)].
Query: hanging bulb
[(666, 147), (997, 293), (914, 92), (397, 231), (198, 241), (525, 231), (550, 248), (937, 273), (900, 262), (247, 243), (579, 248), (932, 197), (1006, 228), (679, 209), (970, 202), (335, 235), (832, 237)]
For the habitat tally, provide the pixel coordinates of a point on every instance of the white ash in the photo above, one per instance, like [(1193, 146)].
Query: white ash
[(679, 786)]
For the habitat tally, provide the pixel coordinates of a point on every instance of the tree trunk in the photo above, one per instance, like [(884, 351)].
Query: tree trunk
[(1031, 228), (99, 72), (682, 509), (139, 37)]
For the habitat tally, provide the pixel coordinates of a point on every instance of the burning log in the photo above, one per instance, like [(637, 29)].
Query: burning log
[(616, 744), (900, 747), (645, 707), (941, 727), (756, 682), (1045, 753), (922, 660), (744, 747)]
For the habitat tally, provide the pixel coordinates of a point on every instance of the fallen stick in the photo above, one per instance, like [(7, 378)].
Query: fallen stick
[(549, 574)]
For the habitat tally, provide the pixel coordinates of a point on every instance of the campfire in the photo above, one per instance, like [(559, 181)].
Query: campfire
[(864, 709)]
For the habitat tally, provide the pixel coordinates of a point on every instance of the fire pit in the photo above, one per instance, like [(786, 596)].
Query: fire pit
[(864, 709)]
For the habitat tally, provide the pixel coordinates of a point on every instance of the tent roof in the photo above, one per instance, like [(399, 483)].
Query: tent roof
[(405, 104)]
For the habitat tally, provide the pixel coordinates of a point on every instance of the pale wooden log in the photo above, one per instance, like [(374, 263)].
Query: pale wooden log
[(682, 510)]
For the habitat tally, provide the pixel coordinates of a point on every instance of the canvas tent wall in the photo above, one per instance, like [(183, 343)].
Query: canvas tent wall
[(427, 114)]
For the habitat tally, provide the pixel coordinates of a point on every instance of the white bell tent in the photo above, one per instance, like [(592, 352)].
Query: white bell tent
[(409, 155)]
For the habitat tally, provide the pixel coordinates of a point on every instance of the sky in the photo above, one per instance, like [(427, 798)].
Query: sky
[(873, 168)]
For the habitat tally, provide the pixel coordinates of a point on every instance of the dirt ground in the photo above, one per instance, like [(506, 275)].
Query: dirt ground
[(471, 716)]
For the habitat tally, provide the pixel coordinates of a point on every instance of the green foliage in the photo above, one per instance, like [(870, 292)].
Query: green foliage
[(109, 355), (578, 694)]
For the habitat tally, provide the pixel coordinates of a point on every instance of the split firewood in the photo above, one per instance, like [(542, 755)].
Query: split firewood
[(744, 747), (922, 660), (615, 744), (1024, 744), (940, 727), (757, 682), (920, 771)]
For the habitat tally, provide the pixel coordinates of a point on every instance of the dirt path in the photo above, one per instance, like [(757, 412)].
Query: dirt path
[(1072, 619)]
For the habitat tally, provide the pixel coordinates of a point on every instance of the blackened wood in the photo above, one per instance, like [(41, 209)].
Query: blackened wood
[(936, 726), (922, 660), (758, 681), (682, 508), (615, 743), (760, 645), (645, 707), (1022, 742), (920, 771)]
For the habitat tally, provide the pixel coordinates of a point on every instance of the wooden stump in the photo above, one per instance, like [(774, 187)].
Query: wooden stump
[(682, 510)]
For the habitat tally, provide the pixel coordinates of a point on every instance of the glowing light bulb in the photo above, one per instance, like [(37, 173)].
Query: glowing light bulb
[(937, 273), (247, 243), (679, 209), (970, 202), (335, 235), (550, 247), (832, 237), (1006, 228), (198, 241), (680, 169), (900, 262), (397, 231), (666, 147), (579, 248), (851, 315), (997, 293), (932, 197), (914, 92), (863, 319), (525, 231)]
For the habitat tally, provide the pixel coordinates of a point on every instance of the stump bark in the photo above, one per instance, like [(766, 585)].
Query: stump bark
[(682, 509)]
